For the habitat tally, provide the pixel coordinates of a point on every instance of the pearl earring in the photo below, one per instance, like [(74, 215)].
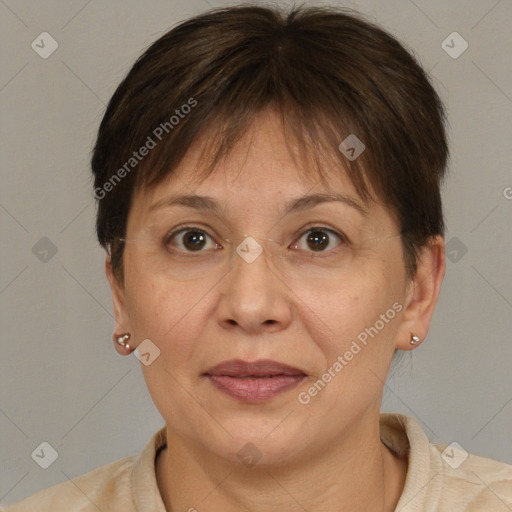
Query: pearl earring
[(414, 339), (122, 340)]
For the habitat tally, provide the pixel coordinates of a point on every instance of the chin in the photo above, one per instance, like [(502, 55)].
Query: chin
[(259, 441)]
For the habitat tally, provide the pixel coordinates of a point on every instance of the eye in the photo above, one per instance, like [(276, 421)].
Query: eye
[(191, 239), (318, 239)]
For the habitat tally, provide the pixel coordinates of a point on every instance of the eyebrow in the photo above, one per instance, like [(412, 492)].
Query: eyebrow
[(297, 205)]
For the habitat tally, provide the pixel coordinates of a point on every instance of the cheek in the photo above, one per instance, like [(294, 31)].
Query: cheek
[(353, 324), (356, 317), (171, 314), (349, 302)]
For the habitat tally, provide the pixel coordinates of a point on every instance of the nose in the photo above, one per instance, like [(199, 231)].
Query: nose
[(253, 298)]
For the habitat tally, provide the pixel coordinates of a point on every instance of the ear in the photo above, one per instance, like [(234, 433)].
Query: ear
[(122, 319), (422, 293)]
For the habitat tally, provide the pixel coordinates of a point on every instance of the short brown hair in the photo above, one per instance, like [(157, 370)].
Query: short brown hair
[(328, 72)]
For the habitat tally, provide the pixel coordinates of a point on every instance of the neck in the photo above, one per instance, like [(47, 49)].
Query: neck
[(358, 473)]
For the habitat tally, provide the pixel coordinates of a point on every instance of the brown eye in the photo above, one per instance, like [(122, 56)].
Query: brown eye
[(191, 240), (319, 240), (194, 240)]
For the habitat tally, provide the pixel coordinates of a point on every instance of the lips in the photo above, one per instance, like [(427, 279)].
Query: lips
[(261, 368), (256, 381)]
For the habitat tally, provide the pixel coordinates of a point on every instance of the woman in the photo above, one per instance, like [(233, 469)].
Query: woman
[(268, 190)]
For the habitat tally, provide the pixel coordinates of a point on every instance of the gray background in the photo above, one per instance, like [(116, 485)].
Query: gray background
[(61, 380)]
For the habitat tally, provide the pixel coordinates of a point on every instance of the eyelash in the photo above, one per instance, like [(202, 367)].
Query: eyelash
[(343, 239)]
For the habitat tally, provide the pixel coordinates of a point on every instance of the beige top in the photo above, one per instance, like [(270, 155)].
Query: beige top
[(439, 479)]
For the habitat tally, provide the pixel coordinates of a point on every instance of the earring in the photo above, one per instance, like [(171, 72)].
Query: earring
[(414, 339), (122, 339)]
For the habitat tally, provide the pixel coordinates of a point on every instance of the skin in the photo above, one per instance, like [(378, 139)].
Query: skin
[(292, 304)]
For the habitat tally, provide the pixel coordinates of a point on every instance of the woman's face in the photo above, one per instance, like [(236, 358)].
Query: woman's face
[(319, 286)]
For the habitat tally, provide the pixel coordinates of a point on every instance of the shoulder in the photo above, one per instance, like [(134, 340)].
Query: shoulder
[(445, 478), (127, 485), (98, 489), (474, 483)]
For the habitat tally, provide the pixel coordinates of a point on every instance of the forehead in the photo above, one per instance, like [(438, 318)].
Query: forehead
[(266, 160), (261, 181)]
